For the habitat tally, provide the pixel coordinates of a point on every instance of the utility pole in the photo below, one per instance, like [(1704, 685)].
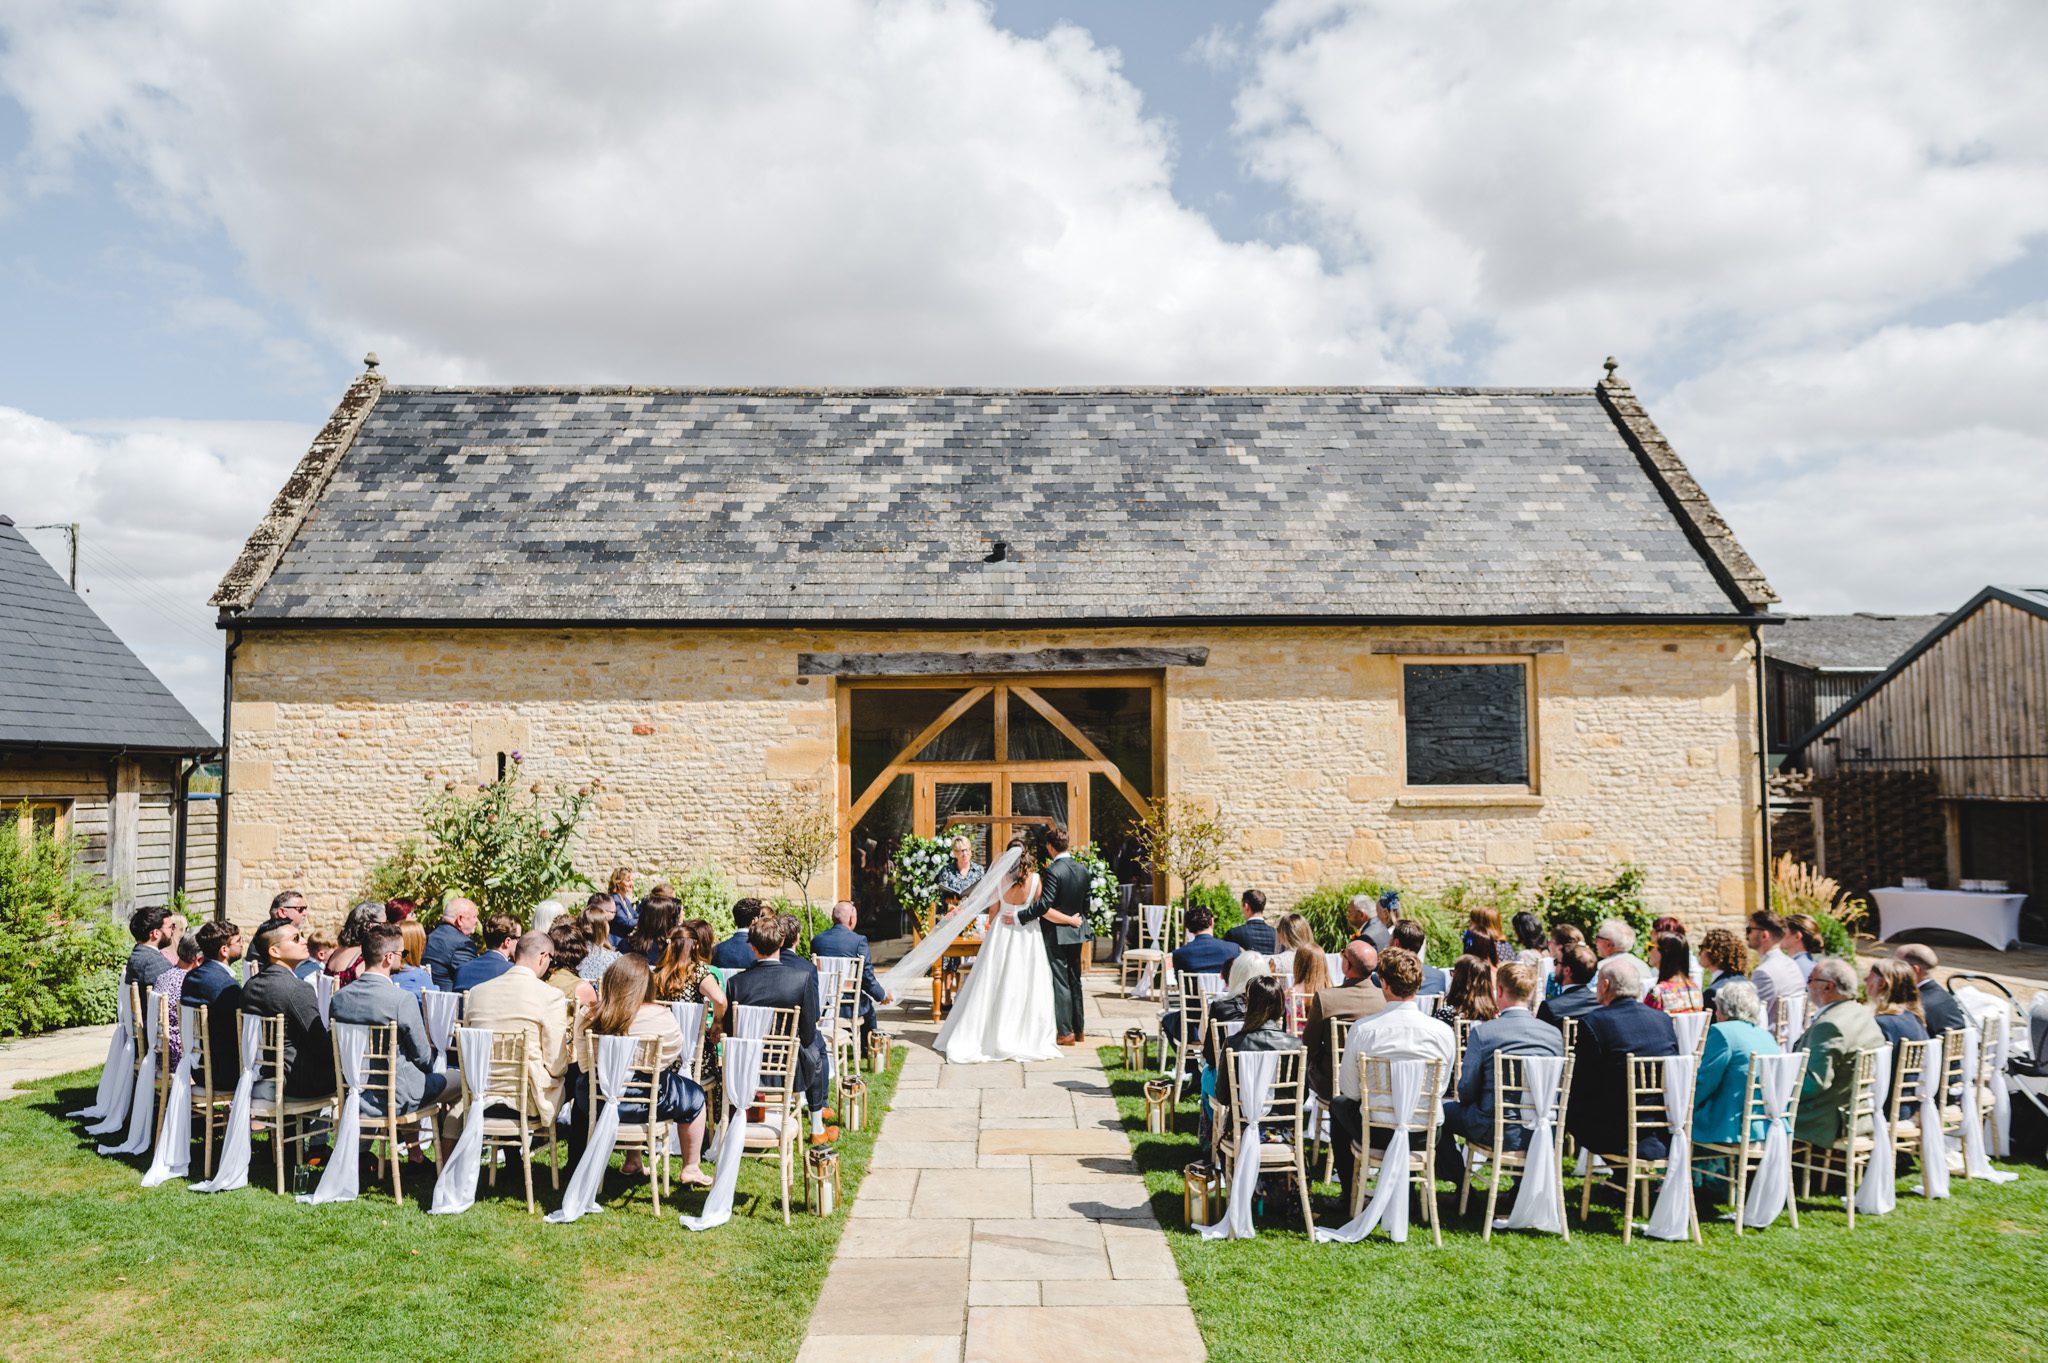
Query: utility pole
[(70, 529)]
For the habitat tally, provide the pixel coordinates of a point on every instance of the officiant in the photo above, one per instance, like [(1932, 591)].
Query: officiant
[(959, 875)]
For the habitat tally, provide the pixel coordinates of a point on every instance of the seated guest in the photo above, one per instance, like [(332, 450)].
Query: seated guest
[(686, 974), (769, 983), (1575, 996), (1895, 999), (657, 919), (565, 971), (1484, 935), (1357, 997), (1513, 1030), (792, 934), (399, 910), (286, 907), (1613, 938), (733, 953), (626, 1007), (1803, 937), (1361, 917), (1531, 941), (1937, 1005), (375, 999), (1674, 991), (1620, 1027), (320, 946), (1264, 1030), (1409, 936), (413, 976), (346, 961), (596, 921), (1470, 997), (840, 940), (519, 1001), (501, 939), (171, 984), (1722, 1091), (276, 991), (150, 927), (1203, 953), (1724, 959), (1295, 939), (1775, 977), (1254, 933), (1561, 936), (1385, 912), (1840, 1028), (1309, 974), (1229, 1005), (450, 945), (544, 915), (213, 985), (1398, 1031)]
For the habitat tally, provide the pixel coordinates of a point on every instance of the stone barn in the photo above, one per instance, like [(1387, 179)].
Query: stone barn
[(1415, 633)]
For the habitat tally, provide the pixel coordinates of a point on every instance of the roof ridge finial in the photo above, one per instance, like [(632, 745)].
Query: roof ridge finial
[(1610, 364), (370, 362)]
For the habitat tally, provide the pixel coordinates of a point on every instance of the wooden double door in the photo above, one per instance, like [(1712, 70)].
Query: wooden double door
[(990, 805)]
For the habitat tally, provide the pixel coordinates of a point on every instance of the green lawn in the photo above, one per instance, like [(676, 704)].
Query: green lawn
[(1964, 1279), (99, 1268)]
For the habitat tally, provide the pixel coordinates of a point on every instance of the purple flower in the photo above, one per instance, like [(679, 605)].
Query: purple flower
[(518, 756), (483, 785)]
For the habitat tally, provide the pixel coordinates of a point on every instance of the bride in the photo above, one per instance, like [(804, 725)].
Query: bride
[(1004, 1008)]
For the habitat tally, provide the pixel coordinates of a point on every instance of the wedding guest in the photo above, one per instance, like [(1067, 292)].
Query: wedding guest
[(1575, 996), (400, 910), (375, 999), (768, 983), (596, 919), (1613, 938), (520, 1001), (1264, 1029), (792, 934), (1666, 923), (565, 970), (840, 940), (1357, 997), (626, 1007), (1621, 1026), (320, 946), (1309, 971), (1775, 976), (1203, 953), (1725, 960), (412, 976), (149, 927), (1399, 1031), (175, 927), (1562, 935), (1469, 997), (1484, 935), (1840, 1028), (1531, 942), (618, 895), (345, 963), (276, 991), (957, 876), (1294, 937), (1410, 937), (286, 907), (171, 984), (1510, 1030), (1937, 1005), (1254, 933), (1895, 1000), (1674, 991), (450, 945), (1361, 918), (213, 985), (1386, 911), (1803, 934), (733, 953), (501, 938), (649, 937), (1721, 1092), (545, 913)]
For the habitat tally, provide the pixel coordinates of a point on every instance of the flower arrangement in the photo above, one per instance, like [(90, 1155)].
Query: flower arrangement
[(914, 876), (1102, 891)]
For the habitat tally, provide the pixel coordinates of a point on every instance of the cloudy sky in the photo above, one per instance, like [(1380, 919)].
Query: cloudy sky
[(1815, 232)]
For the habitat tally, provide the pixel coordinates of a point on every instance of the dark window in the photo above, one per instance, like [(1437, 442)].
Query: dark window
[(1468, 724)]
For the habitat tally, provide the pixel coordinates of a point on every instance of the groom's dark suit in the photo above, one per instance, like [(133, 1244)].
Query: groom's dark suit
[(1063, 885)]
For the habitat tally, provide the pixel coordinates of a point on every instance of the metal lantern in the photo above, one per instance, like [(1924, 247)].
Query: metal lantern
[(1158, 1116), (878, 1051), (1198, 1194), (821, 1180), (1134, 1048), (853, 1102)]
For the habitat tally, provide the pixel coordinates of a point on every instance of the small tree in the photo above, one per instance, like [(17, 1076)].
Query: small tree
[(1184, 841), (500, 846), (60, 956), (794, 835)]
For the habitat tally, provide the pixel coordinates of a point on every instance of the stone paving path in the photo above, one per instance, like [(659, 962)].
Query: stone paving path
[(1004, 1219), (27, 1059)]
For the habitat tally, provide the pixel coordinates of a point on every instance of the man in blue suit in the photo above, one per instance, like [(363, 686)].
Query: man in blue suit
[(1204, 953), (501, 935), (1622, 1026), (1575, 966), (734, 953), (841, 940), (450, 946), (213, 985), (1514, 1032), (1408, 935)]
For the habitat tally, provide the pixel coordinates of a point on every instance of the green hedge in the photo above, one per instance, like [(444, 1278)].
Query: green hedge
[(60, 955), (1443, 916)]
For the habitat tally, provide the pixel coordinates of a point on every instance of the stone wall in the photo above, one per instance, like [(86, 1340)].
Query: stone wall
[(1644, 748)]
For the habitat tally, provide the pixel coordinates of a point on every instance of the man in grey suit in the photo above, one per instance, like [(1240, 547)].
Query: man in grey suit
[(1062, 914), (372, 999), (151, 929), (1575, 966), (1515, 1032)]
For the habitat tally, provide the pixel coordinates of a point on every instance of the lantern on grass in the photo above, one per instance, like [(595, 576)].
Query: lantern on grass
[(821, 1180), (878, 1051), (1199, 1194), (853, 1101), (1158, 1116), (1134, 1048)]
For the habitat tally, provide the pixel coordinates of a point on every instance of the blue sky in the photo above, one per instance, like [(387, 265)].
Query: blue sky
[(1813, 233)]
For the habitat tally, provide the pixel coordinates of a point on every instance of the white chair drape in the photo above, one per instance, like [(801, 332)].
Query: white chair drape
[(1877, 1192), (1153, 938), (440, 1009), (1539, 1201), (742, 1080), (142, 1100), (1333, 961), (344, 1162), (233, 1170), (1389, 1204), (690, 1019), (832, 973), (116, 1074), (1256, 1071), (174, 1134), (751, 1022), (1690, 1027), (323, 994), (1770, 1188), (2000, 1040), (1976, 1163), (1933, 1149), (1671, 1216), (614, 1057), (455, 1189), (1791, 1010)]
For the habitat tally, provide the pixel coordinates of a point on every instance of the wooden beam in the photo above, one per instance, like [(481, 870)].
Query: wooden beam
[(1474, 648), (1081, 741), (912, 749), (965, 664)]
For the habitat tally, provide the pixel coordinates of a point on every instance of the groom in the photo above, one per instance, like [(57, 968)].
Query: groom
[(1062, 911)]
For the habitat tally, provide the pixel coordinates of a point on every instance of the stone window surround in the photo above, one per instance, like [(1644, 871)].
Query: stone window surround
[(1510, 796)]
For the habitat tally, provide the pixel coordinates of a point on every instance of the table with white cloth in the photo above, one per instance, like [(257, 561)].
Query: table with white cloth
[(1993, 919)]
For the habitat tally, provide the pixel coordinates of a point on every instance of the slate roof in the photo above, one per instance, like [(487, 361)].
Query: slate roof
[(68, 681), (458, 505), (1849, 643)]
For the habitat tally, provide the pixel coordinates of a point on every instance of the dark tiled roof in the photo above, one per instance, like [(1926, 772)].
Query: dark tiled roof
[(1855, 643), (881, 505), (65, 678)]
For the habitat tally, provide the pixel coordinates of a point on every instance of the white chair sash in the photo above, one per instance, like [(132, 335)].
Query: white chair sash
[(1256, 1071), (1333, 962), (455, 1189), (1389, 1204), (690, 1019), (233, 1170), (1690, 1028), (1545, 968), (1791, 1010), (440, 1009), (614, 1058), (174, 1134), (1539, 1201), (1208, 983), (1151, 938), (751, 1022), (339, 1183), (142, 1098), (1671, 1216), (742, 1080), (1933, 1148), (118, 1070), (1976, 1163), (1877, 1193), (323, 994), (2001, 1086), (832, 973), (1771, 1187)]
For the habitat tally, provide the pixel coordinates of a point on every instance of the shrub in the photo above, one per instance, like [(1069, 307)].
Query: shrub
[(707, 892), (1219, 900), (1327, 909), (408, 874), (1586, 905), (60, 956), (500, 846), (1835, 937), (1799, 888)]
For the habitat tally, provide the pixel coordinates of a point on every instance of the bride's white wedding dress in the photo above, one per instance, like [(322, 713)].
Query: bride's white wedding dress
[(1004, 1008)]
